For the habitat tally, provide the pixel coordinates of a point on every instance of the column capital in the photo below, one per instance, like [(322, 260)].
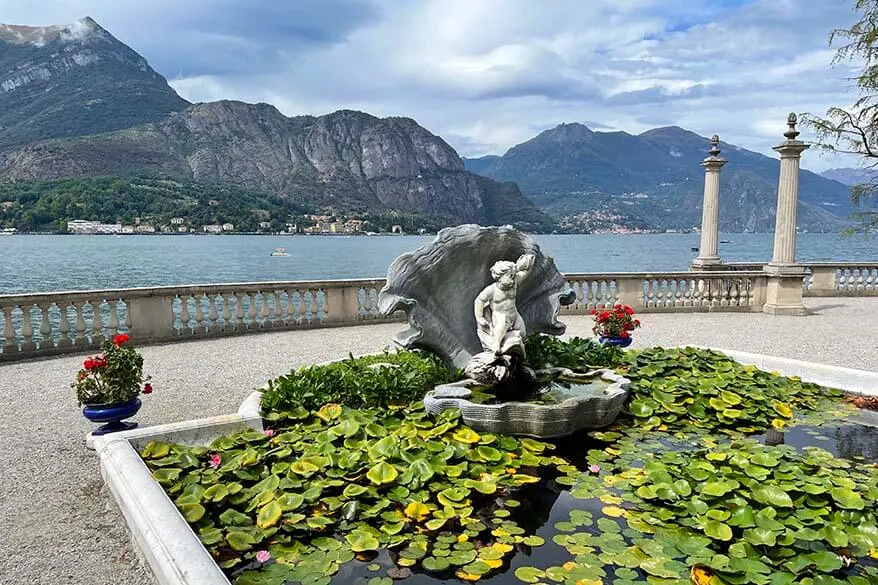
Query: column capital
[(792, 148), (714, 161)]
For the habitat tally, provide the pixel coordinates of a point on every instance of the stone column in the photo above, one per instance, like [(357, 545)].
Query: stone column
[(784, 291), (708, 254)]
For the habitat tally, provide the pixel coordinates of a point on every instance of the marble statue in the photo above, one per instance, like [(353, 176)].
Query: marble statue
[(438, 285), (500, 326)]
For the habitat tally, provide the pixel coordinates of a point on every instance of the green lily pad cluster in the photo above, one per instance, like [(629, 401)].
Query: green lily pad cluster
[(763, 515), (737, 512), (679, 388), (336, 484), (373, 381)]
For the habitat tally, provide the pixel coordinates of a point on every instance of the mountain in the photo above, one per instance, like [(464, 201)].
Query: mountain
[(850, 176), (73, 80), (654, 180), (347, 160), (77, 103)]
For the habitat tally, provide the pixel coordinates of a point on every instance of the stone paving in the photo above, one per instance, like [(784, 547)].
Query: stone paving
[(60, 526)]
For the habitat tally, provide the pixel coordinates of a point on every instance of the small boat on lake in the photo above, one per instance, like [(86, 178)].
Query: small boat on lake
[(279, 252)]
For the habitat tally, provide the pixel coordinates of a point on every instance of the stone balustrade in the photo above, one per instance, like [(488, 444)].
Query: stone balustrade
[(42, 324), (669, 291), (63, 322), (828, 279)]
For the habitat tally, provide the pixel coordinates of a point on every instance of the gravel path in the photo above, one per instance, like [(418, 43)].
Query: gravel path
[(60, 526)]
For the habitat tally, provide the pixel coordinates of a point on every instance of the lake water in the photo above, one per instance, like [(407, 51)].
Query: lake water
[(36, 263)]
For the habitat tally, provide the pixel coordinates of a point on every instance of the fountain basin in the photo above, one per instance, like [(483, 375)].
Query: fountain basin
[(595, 405)]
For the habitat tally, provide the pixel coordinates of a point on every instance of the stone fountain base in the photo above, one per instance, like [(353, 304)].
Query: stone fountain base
[(542, 421)]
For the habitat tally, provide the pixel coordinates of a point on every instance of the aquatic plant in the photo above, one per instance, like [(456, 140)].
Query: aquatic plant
[(336, 483), (738, 512), (681, 388), (361, 382), (576, 353)]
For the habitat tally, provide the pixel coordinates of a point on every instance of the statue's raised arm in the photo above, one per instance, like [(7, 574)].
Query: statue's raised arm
[(523, 267)]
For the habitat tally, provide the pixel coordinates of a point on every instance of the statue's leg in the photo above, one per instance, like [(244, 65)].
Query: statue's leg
[(500, 329)]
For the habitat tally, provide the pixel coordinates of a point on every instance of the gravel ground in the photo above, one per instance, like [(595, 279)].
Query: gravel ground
[(59, 525)]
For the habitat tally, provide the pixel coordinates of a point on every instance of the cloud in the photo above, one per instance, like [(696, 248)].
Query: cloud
[(486, 75)]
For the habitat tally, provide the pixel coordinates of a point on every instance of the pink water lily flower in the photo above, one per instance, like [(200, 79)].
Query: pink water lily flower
[(269, 433), (215, 460), (263, 556), (593, 468)]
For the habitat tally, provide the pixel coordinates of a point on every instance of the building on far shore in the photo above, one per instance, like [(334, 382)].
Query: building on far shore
[(82, 226)]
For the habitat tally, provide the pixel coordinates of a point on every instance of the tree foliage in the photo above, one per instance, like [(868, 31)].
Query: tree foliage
[(854, 130)]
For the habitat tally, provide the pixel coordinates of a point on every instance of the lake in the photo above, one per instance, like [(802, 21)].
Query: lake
[(38, 263)]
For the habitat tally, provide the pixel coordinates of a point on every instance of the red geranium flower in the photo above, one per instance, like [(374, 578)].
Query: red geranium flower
[(120, 339), (147, 388)]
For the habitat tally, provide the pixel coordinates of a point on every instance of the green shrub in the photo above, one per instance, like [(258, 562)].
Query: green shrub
[(354, 382), (576, 354)]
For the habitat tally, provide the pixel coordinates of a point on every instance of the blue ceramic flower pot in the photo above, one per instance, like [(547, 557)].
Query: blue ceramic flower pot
[(112, 415), (617, 341)]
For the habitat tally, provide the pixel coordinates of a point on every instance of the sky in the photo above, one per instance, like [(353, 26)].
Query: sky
[(488, 74)]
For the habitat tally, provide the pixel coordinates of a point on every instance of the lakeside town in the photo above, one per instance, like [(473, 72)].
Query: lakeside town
[(320, 224)]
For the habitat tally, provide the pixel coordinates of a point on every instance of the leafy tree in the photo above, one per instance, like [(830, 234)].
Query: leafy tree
[(854, 130)]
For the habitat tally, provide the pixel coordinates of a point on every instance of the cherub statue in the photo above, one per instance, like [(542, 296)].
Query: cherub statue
[(504, 333), (500, 326)]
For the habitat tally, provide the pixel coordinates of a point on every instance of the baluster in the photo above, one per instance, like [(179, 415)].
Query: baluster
[(660, 287), (367, 303), (199, 313), (27, 329), (185, 329), (871, 279), (861, 282), (851, 278), (686, 292), (264, 313), (80, 323), (227, 310), (734, 295), (252, 322), (291, 307), (9, 342), (114, 316), (45, 326), (64, 325), (239, 311), (590, 292), (724, 285), (97, 322), (277, 319), (681, 292), (315, 318), (650, 295), (302, 318), (212, 315), (323, 315)]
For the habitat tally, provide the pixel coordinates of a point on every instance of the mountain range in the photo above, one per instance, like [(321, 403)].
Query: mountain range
[(76, 103), (850, 176), (654, 180)]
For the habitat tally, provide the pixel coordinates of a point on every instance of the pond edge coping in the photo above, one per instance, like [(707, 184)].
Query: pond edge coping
[(174, 553)]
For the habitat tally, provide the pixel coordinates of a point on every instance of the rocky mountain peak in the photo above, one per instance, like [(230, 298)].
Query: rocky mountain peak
[(80, 30)]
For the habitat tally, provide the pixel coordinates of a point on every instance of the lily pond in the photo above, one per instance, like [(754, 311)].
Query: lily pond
[(717, 473)]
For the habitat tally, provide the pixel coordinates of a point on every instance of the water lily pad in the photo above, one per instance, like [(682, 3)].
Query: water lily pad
[(382, 473), (529, 574)]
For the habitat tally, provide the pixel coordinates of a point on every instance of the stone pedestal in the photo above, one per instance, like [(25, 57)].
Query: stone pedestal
[(784, 290), (783, 294), (708, 254)]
